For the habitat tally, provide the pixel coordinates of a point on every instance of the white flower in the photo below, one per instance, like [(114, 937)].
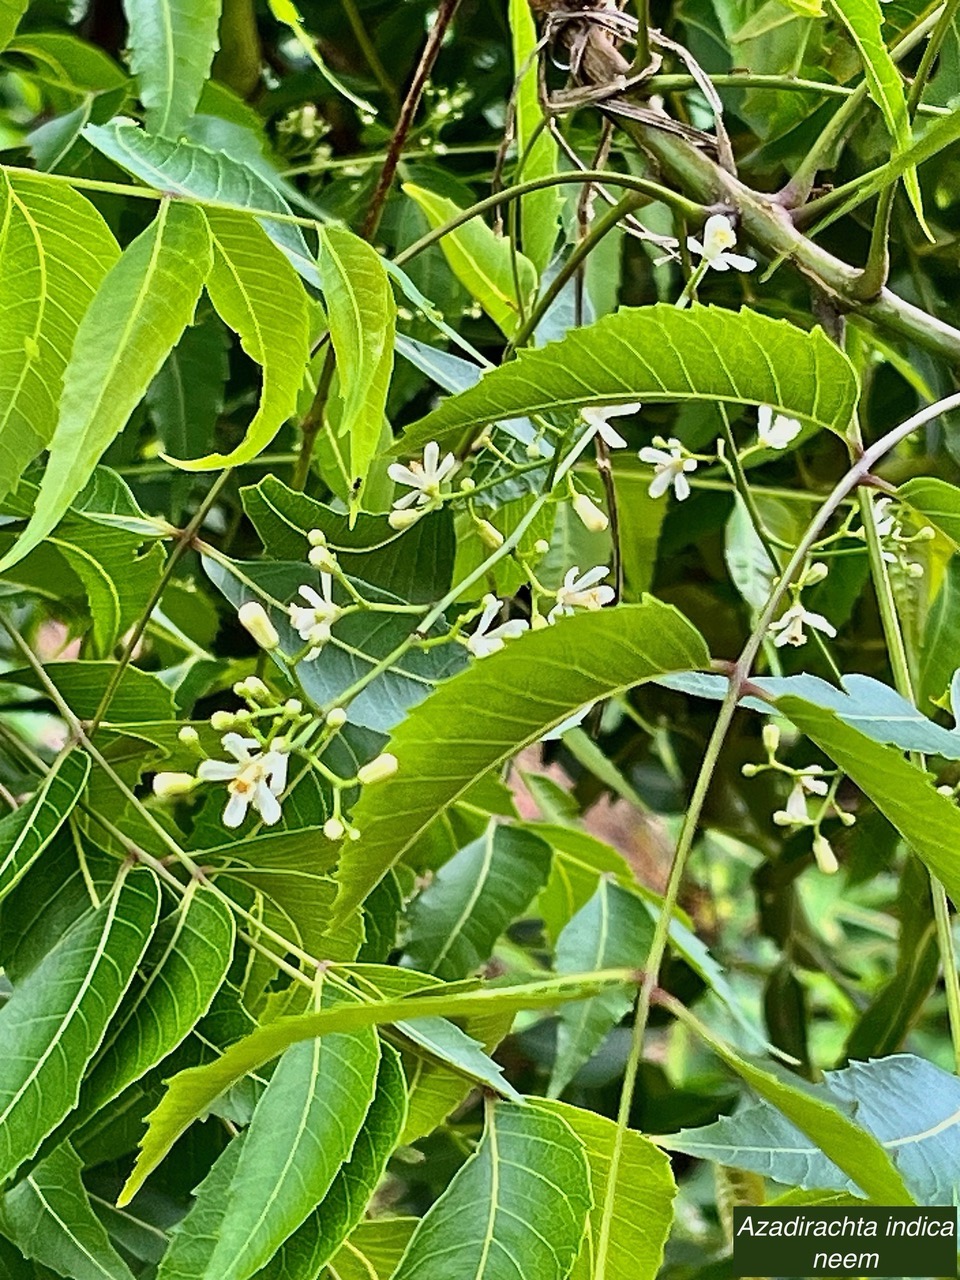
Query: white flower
[(582, 592), (255, 779), (313, 621), (483, 642), (598, 421), (718, 237), (254, 617), (669, 467), (791, 625), (424, 479), (594, 520), (775, 432), (807, 783)]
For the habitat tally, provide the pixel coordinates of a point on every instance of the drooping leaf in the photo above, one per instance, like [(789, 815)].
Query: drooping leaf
[(361, 314), (143, 305), (49, 1218), (539, 210), (629, 1221), (909, 1105), (659, 353), (458, 917), (171, 49), (528, 1157), (187, 169), (55, 249), (482, 262), (488, 713), (25, 833), (55, 1019)]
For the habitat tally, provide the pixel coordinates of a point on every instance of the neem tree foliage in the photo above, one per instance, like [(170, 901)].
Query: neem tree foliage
[(388, 390)]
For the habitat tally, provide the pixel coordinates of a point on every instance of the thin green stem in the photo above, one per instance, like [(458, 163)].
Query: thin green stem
[(369, 51), (748, 80)]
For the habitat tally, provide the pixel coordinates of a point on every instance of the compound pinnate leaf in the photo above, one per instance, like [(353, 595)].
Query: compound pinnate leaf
[(654, 354), (25, 833), (53, 1023), (142, 307), (484, 716), (477, 1230), (171, 49), (55, 249)]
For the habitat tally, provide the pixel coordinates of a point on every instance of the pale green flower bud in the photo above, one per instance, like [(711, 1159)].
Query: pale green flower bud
[(541, 546), (594, 520), (253, 616), (826, 858), (170, 786), (221, 721), (322, 558), (771, 738), (381, 767), (317, 538), (489, 536), (333, 829), (189, 736), (401, 520), (816, 573), (336, 718)]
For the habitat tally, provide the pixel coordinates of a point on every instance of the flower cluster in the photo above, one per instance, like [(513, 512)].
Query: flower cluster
[(894, 541), (789, 627)]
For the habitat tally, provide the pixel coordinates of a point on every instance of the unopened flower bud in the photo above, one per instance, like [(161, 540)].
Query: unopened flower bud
[(333, 829), (317, 538), (336, 718), (594, 520), (292, 707), (848, 819), (170, 786), (322, 558), (945, 791), (914, 570), (826, 858), (221, 721), (401, 520), (467, 484), (189, 736), (750, 770), (489, 536), (353, 833), (771, 738), (782, 819), (376, 770), (541, 546), (533, 450), (816, 573), (538, 622), (253, 616), (253, 687)]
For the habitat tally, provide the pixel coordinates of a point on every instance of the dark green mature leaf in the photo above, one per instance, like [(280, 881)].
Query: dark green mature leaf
[(630, 1221), (186, 397), (655, 354), (53, 1023), (613, 930), (518, 1207), (192, 1092), (187, 169), (258, 294), (55, 249), (25, 833), (483, 717), (458, 917), (142, 307), (910, 1106), (171, 48), (48, 1217), (361, 314), (194, 1238), (140, 694), (940, 642), (928, 821)]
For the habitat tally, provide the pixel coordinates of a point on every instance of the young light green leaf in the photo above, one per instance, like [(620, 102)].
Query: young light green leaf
[(188, 169), (539, 210), (481, 718), (373, 1250), (482, 262), (55, 249), (49, 1218), (257, 293), (25, 833), (909, 1105), (145, 302), (361, 314), (655, 354), (172, 43), (935, 501), (864, 20), (528, 1157), (53, 1023), (458, 917), (11, 11), (613, 930), (192, 1092), (630, 1221)]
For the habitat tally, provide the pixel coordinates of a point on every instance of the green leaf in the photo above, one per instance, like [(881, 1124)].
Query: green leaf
[(187, 169), (640, 1208), (192, 1092), (936, 503), (910, 1107), (185, 399), (25, 833), (171, 50), (48, 1217), (11, 11), (864, 20), (142, 307), (55, 249), (539, 210), (257, 293), (518, 1207), (481, 261), (373, 1250), (83, 684), (655, 354), (55, 1019), (613, 930), (928, 821), (194, 1238), (481, 718), (940, 643), (458, 917), (361, 314)]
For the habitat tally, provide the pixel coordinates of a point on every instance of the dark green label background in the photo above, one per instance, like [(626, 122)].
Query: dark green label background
[(920, 1255)]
